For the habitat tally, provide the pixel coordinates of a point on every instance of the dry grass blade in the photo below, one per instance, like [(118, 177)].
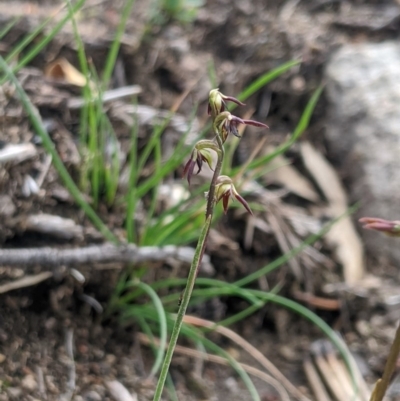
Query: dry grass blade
[(334, 373), (254, 352), (278, 226), (315, 381), (222, 361), (26, 281), (318, 302), (330, 378)]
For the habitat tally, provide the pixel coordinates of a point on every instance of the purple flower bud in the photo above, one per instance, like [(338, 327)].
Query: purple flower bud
[(391, 228), (216, 103)]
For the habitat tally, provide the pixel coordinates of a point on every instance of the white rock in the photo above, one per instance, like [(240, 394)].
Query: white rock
[(119, 392), (363, 86)]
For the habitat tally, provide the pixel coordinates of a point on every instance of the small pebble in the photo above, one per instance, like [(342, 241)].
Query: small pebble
[(29, 383), (2, 358), (231, 384), (92, 396), (119, 392), (14, 392)]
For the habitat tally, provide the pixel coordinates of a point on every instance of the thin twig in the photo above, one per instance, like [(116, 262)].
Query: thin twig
[(41, 384), (383, 383), (69, 348), (106, 253), (26, 281)]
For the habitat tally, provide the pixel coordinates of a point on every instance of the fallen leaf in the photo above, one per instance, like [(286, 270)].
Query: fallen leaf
[(343, 235), (62, 70), (283, 173)]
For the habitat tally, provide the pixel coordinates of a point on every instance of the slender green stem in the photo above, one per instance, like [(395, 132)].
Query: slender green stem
[(182, 308), (217, 172)]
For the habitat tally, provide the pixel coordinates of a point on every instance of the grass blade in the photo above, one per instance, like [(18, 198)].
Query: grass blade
[(9, 26), (265, 79), (113, 53), (162, 320)]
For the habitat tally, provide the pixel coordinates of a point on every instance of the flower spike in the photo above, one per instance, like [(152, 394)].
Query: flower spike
[(225, 190), (216, 103), (390, 228)]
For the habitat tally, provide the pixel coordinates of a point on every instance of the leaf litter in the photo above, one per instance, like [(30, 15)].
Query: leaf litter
[(36, 319)]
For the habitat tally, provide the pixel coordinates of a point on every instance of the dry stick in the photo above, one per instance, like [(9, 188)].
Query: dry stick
[(41, 384), (254, 352), (218, 359), (26, 281), (69, 348), (383, 383), (107, 253)]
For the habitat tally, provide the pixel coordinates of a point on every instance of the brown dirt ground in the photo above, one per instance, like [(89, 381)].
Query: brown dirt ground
[(243, 39)]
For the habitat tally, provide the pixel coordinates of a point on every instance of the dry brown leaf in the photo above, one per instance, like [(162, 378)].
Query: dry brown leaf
[(285, 174), (62, 70), (343, 236)]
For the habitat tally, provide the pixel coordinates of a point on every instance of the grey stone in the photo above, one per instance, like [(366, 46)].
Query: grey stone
[(92, 396), (363, 88)]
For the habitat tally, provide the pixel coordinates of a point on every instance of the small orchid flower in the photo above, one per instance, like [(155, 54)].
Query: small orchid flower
[(216, 103), (201, 153), (226, 123), (390, 228), (225, 190)]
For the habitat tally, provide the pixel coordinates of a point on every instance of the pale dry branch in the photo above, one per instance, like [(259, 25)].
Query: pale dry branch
[(105, 253)]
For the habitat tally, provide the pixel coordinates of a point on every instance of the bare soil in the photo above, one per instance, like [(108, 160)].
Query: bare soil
[(242, 40)]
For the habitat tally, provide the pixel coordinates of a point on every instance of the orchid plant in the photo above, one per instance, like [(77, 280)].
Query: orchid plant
[(221, 189)]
